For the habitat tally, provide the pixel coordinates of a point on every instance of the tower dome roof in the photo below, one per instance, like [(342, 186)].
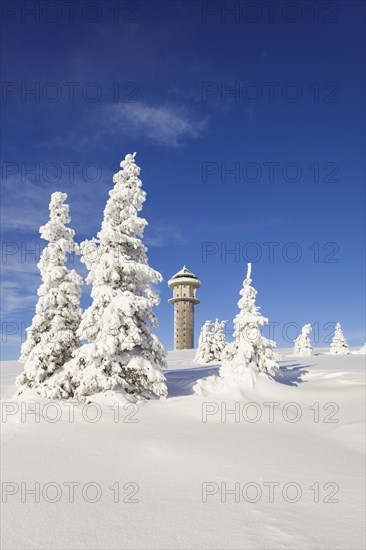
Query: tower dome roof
[(184, 276), (184, 272)]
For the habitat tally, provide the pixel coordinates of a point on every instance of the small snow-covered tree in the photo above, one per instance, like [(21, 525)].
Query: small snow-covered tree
[(220, 338), (339, 343), (302, 343), (51, 339), (211, 343), (203, 343), (121, 352), (251, 352)]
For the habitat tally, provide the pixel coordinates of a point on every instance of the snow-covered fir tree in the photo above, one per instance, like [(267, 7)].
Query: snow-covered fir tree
[(339, 344), (211, 343), (302, 343), (250, 353), (121, 352), (51, 339)]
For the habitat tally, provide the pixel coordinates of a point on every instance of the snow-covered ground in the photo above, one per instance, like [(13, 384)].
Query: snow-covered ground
[(186, 475)]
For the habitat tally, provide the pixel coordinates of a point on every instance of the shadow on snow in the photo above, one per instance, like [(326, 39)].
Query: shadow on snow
[(292, 374), (180, 382)]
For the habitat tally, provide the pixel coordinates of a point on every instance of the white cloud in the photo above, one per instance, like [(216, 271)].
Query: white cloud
[(22, 208), (18, 295), (25, 204), (160, 234), (166, 125), (12, 218)]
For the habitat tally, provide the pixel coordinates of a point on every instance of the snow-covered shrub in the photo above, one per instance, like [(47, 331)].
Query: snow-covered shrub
[(211, 343), (121, 352), (302, 343), (339, 344), (51, 339), (251, 352), (362, 350)]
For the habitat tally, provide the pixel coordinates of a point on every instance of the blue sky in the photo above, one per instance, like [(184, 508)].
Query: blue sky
[(248, 124)]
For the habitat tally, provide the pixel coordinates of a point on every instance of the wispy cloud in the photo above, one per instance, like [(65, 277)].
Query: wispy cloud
[(18, 294), (19, 277), (25, 206), (22, 207), (12, 218), (236, 228), (167, 125), (160, 234)]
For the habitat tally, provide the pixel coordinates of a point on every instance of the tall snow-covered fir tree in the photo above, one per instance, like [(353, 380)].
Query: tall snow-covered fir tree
[(121, 352), (211, 343), (339, 344), (51, 339), (302, 343), (251, 352)]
